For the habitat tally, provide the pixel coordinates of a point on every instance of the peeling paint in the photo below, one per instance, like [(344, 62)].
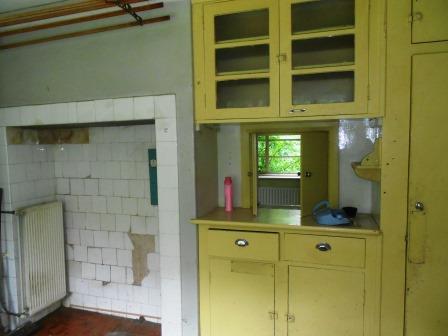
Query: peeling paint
[(143, 244)]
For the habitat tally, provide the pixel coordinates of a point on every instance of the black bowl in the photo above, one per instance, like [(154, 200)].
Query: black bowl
[(350, 211)]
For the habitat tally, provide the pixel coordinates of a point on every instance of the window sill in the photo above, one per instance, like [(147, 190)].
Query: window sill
[(279, 177)]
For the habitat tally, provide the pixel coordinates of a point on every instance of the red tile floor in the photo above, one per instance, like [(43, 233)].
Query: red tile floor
[(73, 322)]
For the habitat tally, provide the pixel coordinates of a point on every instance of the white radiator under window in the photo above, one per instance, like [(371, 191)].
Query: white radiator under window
[(275, 196), (42, 255)]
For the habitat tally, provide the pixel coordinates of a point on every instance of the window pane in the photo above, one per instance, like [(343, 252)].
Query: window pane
[(284, 148), (261, 146), (284, 165)]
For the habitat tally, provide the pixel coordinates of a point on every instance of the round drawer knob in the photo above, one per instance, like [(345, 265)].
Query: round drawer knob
[(323, 247), (241, 242)]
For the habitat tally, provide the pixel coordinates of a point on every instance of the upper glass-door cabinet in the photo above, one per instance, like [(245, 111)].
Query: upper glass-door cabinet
[(324, 57), (241, 46)]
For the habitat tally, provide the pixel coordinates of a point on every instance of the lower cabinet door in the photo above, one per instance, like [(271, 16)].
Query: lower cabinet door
[(325, 302), (241, 298)]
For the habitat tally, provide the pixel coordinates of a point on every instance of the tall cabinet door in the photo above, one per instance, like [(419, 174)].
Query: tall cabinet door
[(324, 57), (429, 21), (241, 298), (427, 268), (241, 48), (314, 170), (325, 302)]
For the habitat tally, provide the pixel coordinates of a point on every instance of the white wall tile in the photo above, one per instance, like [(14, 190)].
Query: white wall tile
[(114, 205), (88, 271), (93, 221), (129, 206), (118, 274), (62, 186), (107, 222), (95, 287), (121, 187), (103, 272), (99, 204), (91, 187), (166, 129), (73, 236), (80, 253), (104, 110), (124, 258), (85, 111), (86, 237), (165, 106), (123, 109), (94, 255), (101, 238), (109, 256), (144, 108), (116, 240), (138, 225), (123, 223), (106, 187)]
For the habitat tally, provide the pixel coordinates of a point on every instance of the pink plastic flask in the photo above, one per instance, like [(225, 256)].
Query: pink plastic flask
[(228, 194)]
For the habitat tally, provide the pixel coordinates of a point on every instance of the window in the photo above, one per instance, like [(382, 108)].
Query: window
[(278, 154)]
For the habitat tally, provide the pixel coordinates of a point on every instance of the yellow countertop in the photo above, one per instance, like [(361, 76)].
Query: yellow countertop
[(284, 219)]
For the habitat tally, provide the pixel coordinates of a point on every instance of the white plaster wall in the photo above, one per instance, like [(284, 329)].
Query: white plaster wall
[(229, 161)]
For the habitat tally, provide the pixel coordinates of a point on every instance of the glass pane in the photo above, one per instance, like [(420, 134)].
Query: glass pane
[(247, 59), (261, 146), (284, 148), (284, 165), (243, 93), (322, 14), (243, 25), (323, 51), (335, 87)]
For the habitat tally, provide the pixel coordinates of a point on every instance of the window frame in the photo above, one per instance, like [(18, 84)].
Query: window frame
[(270, 174)]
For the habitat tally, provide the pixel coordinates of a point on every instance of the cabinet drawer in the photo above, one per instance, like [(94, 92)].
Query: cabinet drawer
[(245, 245), (326, 250)]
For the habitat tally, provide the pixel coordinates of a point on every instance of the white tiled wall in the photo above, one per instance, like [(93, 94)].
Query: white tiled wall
[(102, 192), (105, 188)]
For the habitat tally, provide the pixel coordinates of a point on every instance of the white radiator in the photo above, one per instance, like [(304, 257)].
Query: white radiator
[(274, 196), (42, 255)]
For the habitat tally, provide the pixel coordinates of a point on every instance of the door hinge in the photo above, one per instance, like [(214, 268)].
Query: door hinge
[(414, 17)]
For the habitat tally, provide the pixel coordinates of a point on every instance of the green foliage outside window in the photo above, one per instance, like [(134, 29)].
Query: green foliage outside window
[(278, 154)]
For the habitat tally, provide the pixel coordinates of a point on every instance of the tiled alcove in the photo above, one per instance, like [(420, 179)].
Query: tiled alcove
[(162, 110)]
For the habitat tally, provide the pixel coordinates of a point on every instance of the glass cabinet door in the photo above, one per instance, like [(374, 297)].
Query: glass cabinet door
[(324, 55), (241, 69)]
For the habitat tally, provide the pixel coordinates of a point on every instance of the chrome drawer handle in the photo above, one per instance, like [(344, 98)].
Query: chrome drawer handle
[(241, 243), (323, 247), (291, 111)]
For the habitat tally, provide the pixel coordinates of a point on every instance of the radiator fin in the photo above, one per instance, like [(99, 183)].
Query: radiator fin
[(42, 247), (274, 196)]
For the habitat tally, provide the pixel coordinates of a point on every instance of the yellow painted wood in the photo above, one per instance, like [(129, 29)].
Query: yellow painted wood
[(348, 252), (429, 21), (285, 128), (283, 219), (211, 10), (260, 246), (254, 173), (427, 269), (325, 302), (314, 155), (361, 79), (242, 298), (371, 173), (340, 296)]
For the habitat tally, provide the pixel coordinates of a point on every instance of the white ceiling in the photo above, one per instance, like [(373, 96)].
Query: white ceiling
[(15, 5)]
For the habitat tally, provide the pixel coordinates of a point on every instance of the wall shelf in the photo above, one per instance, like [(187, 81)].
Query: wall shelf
[(370, 166)]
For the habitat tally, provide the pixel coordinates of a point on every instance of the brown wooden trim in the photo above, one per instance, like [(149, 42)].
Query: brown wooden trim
[(79, 20), (85, 32), (57, 11)]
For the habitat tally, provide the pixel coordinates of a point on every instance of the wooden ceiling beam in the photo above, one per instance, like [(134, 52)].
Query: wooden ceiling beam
[(58, 11), (79, 20), (85, 32)]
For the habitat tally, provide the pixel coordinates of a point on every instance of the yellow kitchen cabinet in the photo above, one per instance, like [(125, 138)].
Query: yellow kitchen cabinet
[(272, 59), (287, 277), (325, 301), (242, 298), (429, 21)]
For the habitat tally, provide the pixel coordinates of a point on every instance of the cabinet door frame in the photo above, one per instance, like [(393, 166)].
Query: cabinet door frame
[(360, 67), (211, 79)]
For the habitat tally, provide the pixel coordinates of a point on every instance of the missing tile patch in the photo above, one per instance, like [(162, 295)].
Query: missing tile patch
[(143, 244)]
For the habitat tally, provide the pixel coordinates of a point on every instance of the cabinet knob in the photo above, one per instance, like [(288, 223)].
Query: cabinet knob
[(292, 111), (419, 206), (323, 247), (290, 318), (241, 242)]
